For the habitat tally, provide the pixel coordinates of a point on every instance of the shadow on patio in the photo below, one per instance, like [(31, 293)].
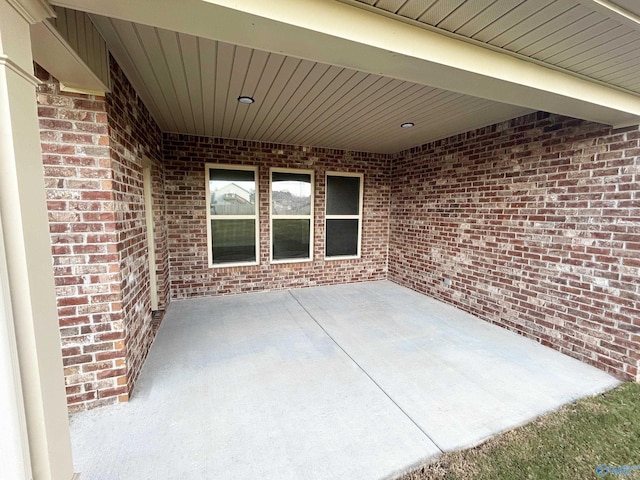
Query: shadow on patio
[(358, 381)]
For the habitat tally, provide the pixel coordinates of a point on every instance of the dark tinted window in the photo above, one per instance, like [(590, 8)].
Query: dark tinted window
[(342, 237), (343, 195), (291, 239)]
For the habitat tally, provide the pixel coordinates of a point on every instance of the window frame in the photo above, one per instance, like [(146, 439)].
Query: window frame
[(310, 217), (210, 217), (358, 217)]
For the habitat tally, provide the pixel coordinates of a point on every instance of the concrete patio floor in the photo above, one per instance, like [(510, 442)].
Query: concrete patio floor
[(359, 381)]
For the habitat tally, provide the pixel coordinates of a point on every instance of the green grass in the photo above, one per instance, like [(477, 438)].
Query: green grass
[(567, 444)]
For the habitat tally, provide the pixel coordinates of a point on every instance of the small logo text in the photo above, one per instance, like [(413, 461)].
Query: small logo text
[(603, 469)]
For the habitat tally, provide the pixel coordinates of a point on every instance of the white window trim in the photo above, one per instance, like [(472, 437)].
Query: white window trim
[(255, 216), (273, 217), (344, 217)]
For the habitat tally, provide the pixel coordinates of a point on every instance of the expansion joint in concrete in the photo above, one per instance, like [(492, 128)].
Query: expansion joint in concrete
[(364, 371)]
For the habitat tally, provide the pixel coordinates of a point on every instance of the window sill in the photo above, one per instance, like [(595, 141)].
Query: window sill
[(292, 260), (233, 265), (345, 257)]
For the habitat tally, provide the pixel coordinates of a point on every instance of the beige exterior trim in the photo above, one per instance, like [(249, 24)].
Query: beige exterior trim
[(84, 91), (28, 256), (14, 440), (151, 241), (274, 216), (72, 50), (255, 217), (358, 216), (611, 9), (33, 11), (53, 52), (487, 46), (11, 65)]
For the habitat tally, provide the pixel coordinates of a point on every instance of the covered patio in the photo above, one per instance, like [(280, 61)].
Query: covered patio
[(358, 381), (484, 154)]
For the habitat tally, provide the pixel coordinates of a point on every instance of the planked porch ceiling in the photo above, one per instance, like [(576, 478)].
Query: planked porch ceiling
[(190, 84)]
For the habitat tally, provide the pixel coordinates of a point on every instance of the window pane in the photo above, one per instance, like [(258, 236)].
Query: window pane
[(233, 192), (341, 237), (343, 195), (291, 193), (290, 239), (229, 175), (234, 241)]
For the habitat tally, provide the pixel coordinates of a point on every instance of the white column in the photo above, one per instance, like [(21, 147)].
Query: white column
[(29, 273), (14, 443)]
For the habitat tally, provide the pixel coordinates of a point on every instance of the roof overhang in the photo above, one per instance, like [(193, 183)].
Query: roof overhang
[(340, 34)]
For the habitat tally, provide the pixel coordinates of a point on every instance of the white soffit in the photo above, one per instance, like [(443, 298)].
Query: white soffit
[(191, 85), (597, 39), (345, 40)]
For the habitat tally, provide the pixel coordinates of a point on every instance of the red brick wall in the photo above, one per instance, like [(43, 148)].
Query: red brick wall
[(185, 158), (134, 137), (92, 154), (537, 223), (82, 222)]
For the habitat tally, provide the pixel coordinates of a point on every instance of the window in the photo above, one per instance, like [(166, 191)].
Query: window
[(232, 217), (291, 215), (343, 227)]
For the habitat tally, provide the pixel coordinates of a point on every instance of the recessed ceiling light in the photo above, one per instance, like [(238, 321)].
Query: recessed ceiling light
[(407, 125), (246, 99)]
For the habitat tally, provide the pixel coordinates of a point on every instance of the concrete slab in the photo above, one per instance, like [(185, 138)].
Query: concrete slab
[(248, 387), (459, 378), (358, 381)]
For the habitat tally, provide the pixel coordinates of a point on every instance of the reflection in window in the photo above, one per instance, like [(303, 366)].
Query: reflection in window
[(344, 215), (291, 215), (232, 215)]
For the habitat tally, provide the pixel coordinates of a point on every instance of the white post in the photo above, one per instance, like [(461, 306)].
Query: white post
[(28, 271), (14, 443)]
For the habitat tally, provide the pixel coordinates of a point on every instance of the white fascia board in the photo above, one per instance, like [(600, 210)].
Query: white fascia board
[(624, 11), (335, 33), (33, 11)]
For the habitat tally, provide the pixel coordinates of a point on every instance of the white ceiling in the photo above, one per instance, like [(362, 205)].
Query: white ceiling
[(306, 93), (192, 84)]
